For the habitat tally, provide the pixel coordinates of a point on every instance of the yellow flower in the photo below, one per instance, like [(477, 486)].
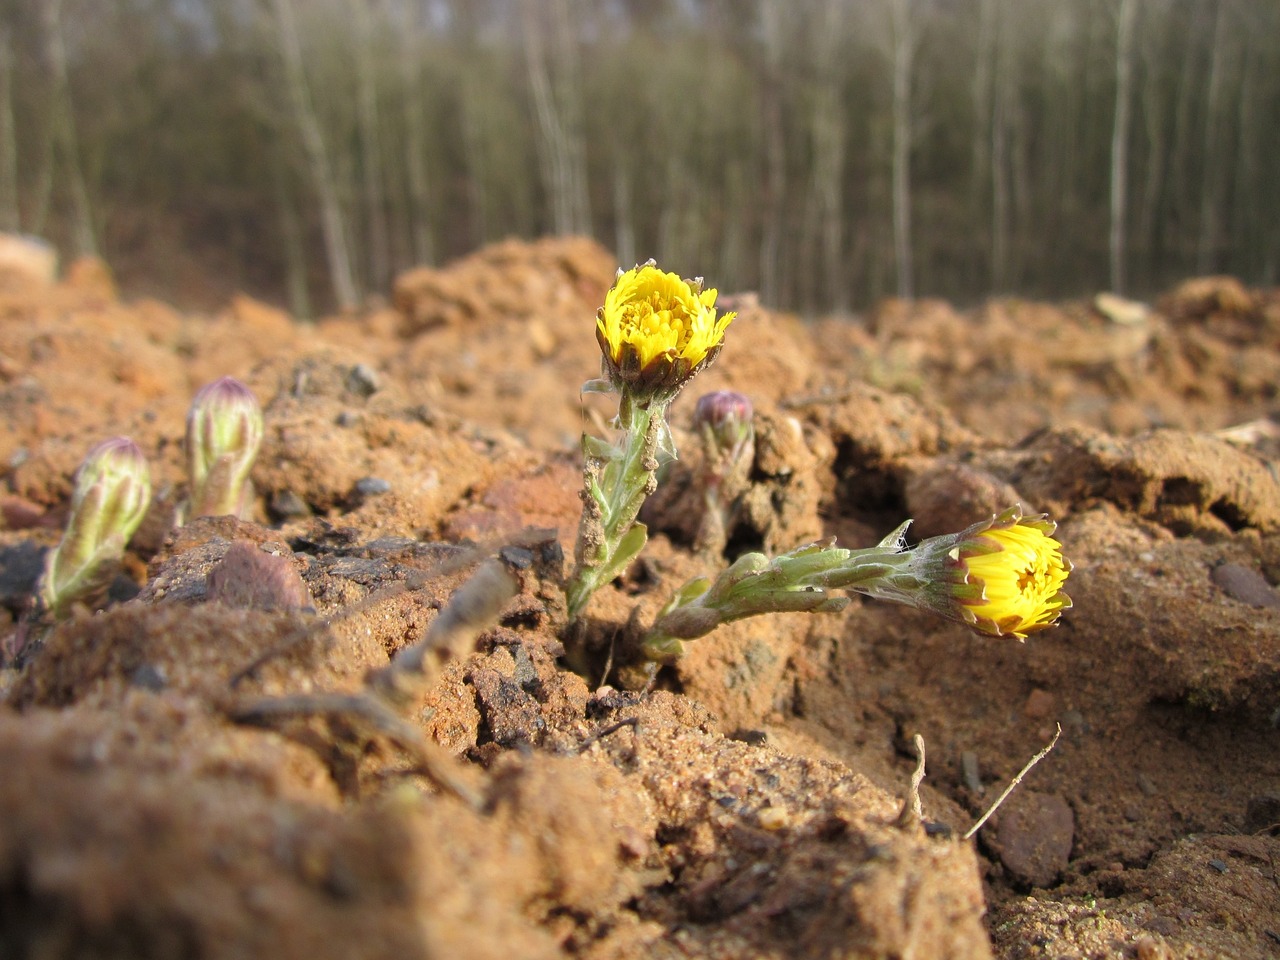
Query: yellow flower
[(1013, 574), (656, 331)]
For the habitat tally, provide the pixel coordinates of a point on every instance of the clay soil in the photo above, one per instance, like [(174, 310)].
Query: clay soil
[(154, 805)]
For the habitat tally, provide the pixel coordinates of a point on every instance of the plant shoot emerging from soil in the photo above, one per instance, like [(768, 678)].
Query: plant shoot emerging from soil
[(656, 332), (112, 491), (725, 421), (224, 431)]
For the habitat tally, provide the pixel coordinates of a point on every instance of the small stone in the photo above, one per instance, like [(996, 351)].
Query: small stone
[(1035, 837), (1040, 704), (148, 677), (773, 818), (1219, 865), (1245, 584), (21, 565), (248, 578), (19, 513), (372, 486), (287, 505), (969, 770), (1149, 948), (362, 380), (1120, 310)]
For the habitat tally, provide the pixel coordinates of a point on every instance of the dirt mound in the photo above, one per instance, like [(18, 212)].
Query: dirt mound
[(179, 783)]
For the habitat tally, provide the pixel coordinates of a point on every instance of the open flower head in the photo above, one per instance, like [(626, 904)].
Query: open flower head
[(1007, 575), (656, 331)]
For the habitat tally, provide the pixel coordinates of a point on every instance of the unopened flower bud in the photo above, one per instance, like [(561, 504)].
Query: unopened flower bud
[(112, 491), (725, 420), (224, 431)]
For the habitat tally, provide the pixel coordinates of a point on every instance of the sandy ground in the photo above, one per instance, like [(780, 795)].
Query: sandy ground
[(749, 806)]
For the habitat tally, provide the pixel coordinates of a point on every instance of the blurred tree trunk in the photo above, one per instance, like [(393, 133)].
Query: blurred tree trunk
[(1001, 87), (1155, 114), (980, 145), (773, 203), (1212, 159), (1126, 16), (332, 221), (551, 56), (295, 253), (10, 215), (904, 48), (63, 130), (370, 132), (624, 230), (415, 133), (824, 220)]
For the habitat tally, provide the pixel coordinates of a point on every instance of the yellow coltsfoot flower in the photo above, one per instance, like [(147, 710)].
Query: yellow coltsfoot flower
[(1008, 575), (656, 331)]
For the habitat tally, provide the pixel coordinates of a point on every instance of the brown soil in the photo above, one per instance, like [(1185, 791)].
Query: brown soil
[(749, 807)]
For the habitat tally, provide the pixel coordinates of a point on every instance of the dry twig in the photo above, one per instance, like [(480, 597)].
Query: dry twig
[(1013, 784)]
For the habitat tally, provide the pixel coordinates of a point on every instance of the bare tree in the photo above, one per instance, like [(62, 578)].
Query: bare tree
[(824, 215), (415, 133), (904, 40), (332, 219), (1213, 162), (10, 218), (63, 130), (775, 151), (980, 173), (370, 130), (551, 56), (1125, 18)]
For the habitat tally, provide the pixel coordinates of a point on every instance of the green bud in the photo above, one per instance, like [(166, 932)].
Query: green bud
[(112, 491), (224, 431)]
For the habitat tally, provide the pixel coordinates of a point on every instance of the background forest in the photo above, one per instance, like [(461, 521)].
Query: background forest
[(821, 152)]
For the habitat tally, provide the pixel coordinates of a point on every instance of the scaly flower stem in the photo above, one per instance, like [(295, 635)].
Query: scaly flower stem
[(616, 482), (798, 581)]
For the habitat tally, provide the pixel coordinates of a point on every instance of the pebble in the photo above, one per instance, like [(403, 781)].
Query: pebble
[(1219, 865), (248, 578), (1245, 584), (148, 677), (1035, 837), (286, 504), (773, 818), (372, 486), (1040, 704), (362, 380)]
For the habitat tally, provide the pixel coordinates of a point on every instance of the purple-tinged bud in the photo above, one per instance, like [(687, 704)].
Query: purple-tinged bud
[(726, 418), (112, 492), (224, 431)]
